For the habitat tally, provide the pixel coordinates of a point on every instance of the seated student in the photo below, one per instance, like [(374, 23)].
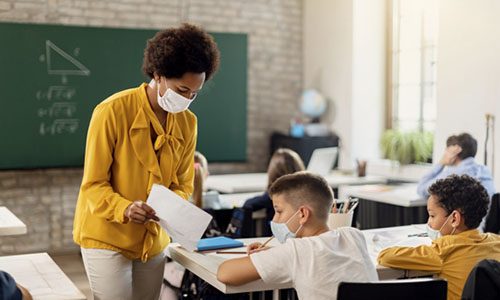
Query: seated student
[(283, 162), (458, 158), (311, 257), (201, 197), (9, 290), (456, 206)]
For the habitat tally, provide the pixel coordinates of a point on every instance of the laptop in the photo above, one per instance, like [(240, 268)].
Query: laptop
[(322, 160)]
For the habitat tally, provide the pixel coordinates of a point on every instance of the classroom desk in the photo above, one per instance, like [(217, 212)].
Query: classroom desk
[(387, 205), (401, 195), (205, 265), (229, 201), (257, 182), (10, 224), (41, 276)]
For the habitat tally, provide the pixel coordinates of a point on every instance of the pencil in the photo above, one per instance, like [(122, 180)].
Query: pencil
[(266, 242), (353, 207), (346, 205), (230, 252)]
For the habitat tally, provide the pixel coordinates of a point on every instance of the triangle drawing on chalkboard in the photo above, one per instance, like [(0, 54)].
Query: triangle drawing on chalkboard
[(61, 63)]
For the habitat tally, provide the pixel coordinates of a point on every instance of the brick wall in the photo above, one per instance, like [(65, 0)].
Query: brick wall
[(45, 199)]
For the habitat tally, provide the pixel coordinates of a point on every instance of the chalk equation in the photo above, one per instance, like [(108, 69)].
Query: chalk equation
[(58, 110), (59, 126), (56, 93)]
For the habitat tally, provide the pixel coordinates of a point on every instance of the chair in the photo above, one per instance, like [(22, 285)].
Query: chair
[(493, 218), (483, 282), (404, 289)]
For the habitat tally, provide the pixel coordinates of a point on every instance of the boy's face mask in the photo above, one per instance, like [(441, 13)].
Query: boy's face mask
[(281, 232), (434, 234)]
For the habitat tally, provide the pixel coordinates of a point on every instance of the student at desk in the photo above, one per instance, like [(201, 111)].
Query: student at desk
[(136, 138), (201, 197), (284, 161), (456, 206), (318, 259), (458, 158), (9, 290)]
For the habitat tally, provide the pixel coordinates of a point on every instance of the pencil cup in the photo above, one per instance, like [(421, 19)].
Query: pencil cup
[(340, 220)]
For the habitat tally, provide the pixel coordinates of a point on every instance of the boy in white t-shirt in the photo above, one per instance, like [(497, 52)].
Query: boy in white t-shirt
[(318, 259)]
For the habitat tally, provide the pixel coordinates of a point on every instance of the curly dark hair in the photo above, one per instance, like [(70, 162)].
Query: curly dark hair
[(464, 194), (466, 142), (175, 51)]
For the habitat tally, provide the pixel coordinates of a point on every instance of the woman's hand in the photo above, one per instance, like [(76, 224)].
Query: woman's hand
[(140, 212), (255, 247)]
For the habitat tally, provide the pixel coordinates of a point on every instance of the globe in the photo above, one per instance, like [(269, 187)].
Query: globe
[(312, 104)]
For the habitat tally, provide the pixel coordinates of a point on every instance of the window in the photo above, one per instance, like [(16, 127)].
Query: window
[(414, 62)]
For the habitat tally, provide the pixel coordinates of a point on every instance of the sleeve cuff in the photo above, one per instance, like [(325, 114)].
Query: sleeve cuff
[(120, 209)]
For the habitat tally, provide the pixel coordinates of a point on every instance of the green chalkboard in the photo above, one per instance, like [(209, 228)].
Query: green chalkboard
[(52, 76)]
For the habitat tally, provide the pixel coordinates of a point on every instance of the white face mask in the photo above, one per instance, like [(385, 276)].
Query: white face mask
[(281, 232), (434, 234), (172, 102)]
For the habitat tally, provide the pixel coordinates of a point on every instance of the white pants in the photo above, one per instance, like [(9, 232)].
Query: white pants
[(112, 276)]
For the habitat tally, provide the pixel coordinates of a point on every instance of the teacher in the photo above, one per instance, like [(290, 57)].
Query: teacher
[(136, 138)]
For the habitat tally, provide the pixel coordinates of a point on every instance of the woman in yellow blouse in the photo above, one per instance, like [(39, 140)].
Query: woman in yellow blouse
[(456, 206), (138, 137)]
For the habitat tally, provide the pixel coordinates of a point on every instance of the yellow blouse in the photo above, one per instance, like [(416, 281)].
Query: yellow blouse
[(452, 257), (121, 165)]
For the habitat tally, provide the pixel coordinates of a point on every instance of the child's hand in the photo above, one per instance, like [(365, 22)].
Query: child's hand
[(255, 247)]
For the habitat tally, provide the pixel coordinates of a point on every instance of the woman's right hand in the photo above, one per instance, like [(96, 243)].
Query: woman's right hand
[(139, 212)]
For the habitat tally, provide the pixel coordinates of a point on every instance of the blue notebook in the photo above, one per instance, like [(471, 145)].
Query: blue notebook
[(220, 242)]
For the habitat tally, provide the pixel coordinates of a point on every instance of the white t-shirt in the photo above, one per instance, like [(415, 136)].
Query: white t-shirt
[(316, 265)]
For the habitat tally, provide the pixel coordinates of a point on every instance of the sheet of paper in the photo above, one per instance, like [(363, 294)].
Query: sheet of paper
[(183, 221), (386, 239)]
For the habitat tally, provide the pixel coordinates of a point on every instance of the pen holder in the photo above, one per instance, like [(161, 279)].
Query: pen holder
[(340, 220)]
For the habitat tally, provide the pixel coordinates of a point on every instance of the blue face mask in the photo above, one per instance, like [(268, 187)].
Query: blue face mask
[(281, 232)]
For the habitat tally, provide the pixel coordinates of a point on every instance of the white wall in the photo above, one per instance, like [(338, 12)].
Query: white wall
[(344, 58), (327, 62), (468, 79), (369, 77)]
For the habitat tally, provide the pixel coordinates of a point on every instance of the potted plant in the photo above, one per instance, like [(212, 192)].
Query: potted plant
[(407, 147)]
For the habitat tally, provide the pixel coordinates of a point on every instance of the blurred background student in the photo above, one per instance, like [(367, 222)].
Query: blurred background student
[(284, 161), (201, 197)]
